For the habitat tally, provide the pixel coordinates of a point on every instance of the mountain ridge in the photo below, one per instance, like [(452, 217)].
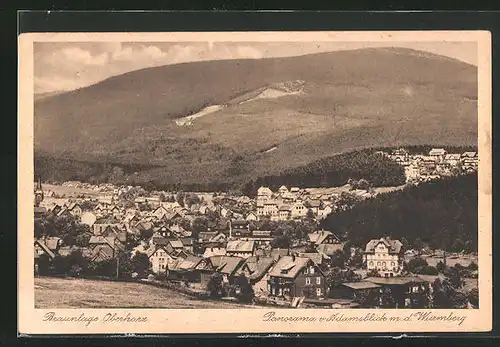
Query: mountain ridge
[(350, 100)]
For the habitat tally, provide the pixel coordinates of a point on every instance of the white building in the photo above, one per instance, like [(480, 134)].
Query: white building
[(284, 212), (412, 172), (271, 209), (385, 256), (160, 259), (264, 194), (437, 154), (299, 210), (251, 217), (282, 190), (469, 161), (452, 159)]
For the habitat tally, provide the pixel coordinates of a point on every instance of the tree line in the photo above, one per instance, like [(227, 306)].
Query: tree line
[(366, 164), (425, 149), (334, 170)]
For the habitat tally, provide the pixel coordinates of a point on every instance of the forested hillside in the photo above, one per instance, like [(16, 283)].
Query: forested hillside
[(441, 214), (333, 171)]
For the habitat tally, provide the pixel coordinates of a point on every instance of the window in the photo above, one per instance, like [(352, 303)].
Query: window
[(378, 263), (306, 270), (370, 263), (308, 280), (318, 280), (318, 291), (392, 264), (312, 270)]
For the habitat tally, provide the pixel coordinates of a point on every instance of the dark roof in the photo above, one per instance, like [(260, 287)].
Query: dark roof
[(102, 241), (159, 240), (289, 267), (187, 241), (315, 257), (329, 249), (188, 263), (320, 236), (393, 245), (258, 266), (395, 280), (240, 246), (206, 235), (240, 222), (176, 244), (102, 253), (226, 264), (313, 203)]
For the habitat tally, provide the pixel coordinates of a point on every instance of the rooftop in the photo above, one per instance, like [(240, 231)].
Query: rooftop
[(361, 285), (395, 280)]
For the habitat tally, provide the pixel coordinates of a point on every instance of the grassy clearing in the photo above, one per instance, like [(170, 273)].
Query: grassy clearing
[(81, 293)]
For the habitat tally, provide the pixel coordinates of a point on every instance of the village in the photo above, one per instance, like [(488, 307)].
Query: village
[(268, 250)]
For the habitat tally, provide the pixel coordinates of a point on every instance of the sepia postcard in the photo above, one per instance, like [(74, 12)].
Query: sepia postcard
[(254, 182)]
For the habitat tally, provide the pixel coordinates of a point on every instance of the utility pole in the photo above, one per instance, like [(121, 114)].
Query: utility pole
[(117, 265)]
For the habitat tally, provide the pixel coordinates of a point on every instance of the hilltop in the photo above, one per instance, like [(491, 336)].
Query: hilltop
[(228, 121)]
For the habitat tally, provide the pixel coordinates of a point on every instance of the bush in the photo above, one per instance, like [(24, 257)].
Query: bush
[(473, 297), (74, 264), (429, 270), (417, 265), (215, 285), (446, 296), (441, 268), (44, 265), (472, 266), (244, 290), (140, 264), (373, 273), (454, 277), (161, 276)]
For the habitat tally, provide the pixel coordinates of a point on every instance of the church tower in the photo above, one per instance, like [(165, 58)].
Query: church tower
[(38, 192)]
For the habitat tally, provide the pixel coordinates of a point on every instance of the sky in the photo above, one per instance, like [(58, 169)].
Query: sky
[(63, 66)]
